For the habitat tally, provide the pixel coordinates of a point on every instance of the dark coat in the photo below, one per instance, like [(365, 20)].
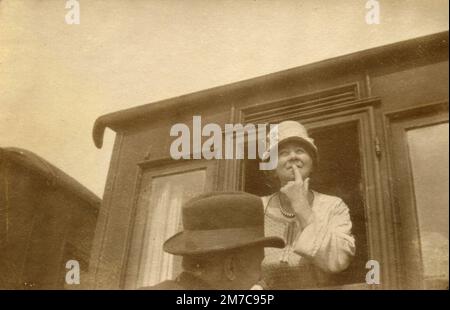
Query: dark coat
[(185, 281)]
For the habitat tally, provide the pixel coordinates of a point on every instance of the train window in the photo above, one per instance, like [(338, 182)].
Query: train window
[(168, 193), (163, 187), (428, 146), (339, 174)]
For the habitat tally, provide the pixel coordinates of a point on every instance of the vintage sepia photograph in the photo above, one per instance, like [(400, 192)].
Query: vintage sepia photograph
[(224, 145)]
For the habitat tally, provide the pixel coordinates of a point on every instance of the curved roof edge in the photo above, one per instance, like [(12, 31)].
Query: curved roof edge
[(51, 174), (387, 54)]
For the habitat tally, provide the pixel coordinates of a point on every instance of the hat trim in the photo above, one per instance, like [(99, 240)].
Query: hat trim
[(308, 141), (193, 242)]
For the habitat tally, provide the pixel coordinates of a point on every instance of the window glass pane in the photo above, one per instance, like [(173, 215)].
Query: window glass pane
[(168, 193), (428, 148)]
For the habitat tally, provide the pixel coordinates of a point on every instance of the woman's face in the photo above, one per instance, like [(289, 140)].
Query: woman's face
[(293, 153)]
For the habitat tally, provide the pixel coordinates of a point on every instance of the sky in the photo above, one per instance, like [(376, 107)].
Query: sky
[(57, 78)]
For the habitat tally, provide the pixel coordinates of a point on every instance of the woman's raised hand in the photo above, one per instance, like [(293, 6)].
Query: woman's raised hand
[(297, 193)]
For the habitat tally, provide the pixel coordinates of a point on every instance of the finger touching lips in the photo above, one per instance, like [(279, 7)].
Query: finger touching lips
[(296, 165), (297, 174)]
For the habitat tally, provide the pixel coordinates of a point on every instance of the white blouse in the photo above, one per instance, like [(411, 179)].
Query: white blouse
[(324, 246)]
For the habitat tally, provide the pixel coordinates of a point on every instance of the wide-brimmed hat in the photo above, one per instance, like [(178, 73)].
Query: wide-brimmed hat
[(288, 131), (221, 221)]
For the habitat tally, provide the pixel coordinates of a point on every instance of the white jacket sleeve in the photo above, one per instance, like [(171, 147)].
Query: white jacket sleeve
[(327, 240)]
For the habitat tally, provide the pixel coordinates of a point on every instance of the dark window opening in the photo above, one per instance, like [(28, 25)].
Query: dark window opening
[(338, 173)]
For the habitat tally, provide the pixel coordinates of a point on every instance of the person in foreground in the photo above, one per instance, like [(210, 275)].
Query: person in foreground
[(316, 227), (222, 243)]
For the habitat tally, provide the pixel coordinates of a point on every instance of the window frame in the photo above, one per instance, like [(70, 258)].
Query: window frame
[(148, 170), (410, 267), (363, 111)]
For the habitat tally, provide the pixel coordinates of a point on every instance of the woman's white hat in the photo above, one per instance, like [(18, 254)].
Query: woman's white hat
[(287, 131)]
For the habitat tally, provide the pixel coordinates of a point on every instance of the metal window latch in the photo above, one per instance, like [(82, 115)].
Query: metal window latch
[(377, 147)]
